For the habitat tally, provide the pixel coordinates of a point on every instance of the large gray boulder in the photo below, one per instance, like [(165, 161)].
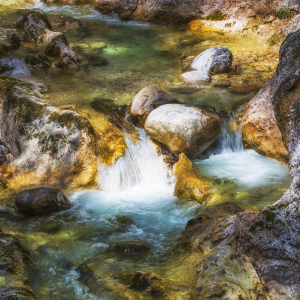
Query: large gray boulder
[(184, 129), (147, 100), (214, 60), (41, 200)]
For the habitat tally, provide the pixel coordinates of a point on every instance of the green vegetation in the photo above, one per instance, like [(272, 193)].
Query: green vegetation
[(217, 16), (284, 13), (276, 39)]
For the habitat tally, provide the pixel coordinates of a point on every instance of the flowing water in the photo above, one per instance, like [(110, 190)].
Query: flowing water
[(120, 58)]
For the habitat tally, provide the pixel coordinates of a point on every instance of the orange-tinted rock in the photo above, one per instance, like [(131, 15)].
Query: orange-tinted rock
[(189, 184), (260, 130)]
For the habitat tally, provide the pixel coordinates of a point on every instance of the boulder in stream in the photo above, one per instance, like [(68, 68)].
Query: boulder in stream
[(213, 61), (196, 77), (184, 129), (42, 200), (189, 184), (60, 47), (40, 62), (130, 247), (14, 67), (14, 261), (35, 25), (147, 100)]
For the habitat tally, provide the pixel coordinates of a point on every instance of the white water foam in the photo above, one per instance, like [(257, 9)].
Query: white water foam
[(140, 164)]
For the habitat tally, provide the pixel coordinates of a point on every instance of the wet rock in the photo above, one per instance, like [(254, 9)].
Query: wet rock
[(59, 21), (3, 50), (244, 89), (14, 67), (196, 77), (42, 200), (10, 214), (15, 40), (130, 247), (85, 273), (37, 61), (3, 182), (215, 60), (60, 151), (14, 260), (59, 47), (35, 25), (124, 220), (189, 184), (147, 100), (184, 129), (260, 129), (184, 11)]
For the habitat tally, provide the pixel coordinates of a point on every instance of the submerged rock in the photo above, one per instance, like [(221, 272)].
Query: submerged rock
[(184, 129), (10, 214), (37, 61), (14, 67), (42, 200), (189, 185), (130, 247), (3, 50), (14, 260), (196, 77), (213, 61), (147, 100), (59, 47), (35, 25), (15, 40)]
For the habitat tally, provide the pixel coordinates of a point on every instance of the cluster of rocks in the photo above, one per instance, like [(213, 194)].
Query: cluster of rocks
[(36, 29)]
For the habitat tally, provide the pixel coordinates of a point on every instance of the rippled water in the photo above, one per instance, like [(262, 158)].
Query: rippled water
[(120, 58)]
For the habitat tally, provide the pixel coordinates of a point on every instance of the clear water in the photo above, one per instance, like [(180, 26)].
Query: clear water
[(139, 186)]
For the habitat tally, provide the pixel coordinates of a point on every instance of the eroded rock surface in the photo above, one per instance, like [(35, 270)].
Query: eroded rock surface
[(14, 259), (184, 129), (60, 47)]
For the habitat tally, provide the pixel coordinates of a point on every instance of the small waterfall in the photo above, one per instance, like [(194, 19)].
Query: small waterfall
[(140, 164), (230, 139)]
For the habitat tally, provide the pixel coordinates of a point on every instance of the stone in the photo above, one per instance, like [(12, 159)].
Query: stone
[(15, 40), (59, 47), (215, 60), (3, 50), (130, 247), (147, 100), (10, 214), (124, 220), (35, 25), (185, 11), (196, 77), (243, 89), (39, 62), (14, 261), (59, 21), (14, 67), (41, 200), (184, 129), (189, 184), (61, 150)]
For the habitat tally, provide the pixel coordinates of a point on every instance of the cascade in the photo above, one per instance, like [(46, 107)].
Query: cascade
[(140, 164)]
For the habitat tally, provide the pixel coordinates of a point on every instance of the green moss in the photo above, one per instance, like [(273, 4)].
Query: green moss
[(217, 16), (276, 39), (270, 216)]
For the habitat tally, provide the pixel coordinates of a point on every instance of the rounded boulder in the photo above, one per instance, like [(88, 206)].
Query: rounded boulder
[(41, 200), (184, 129)]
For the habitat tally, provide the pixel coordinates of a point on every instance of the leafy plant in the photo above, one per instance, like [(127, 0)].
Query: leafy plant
[(284, 13)]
